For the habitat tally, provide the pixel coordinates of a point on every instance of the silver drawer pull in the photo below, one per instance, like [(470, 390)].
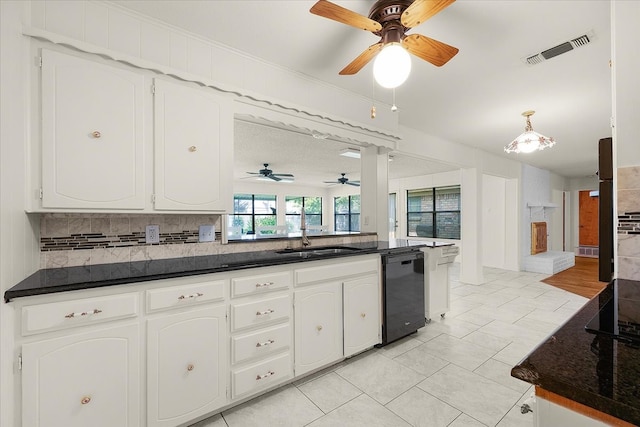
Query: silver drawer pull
[(83, 313), (264, 313), (196, 295), (264, 285), (267, 375), (264, 344)]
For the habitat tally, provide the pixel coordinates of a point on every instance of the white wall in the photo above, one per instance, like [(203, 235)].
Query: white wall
[(18, 233), (493, 220), (625, 16)]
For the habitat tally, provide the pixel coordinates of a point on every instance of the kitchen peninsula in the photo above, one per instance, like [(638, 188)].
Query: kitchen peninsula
[(591, 371)]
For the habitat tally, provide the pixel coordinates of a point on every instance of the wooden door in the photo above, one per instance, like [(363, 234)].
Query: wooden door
[(588, 219)]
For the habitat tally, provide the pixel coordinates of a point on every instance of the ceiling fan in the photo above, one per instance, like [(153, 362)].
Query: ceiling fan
[(344, 180), (390, 20), (268, 173)]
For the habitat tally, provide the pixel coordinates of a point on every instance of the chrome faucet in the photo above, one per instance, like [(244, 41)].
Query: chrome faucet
[(303, 228)]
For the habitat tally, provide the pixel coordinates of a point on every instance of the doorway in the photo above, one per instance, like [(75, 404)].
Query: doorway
[(393, 221), (588, 223)]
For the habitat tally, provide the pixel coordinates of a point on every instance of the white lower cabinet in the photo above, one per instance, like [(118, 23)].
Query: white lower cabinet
[(318, 326), (361, 314), (211, 341), (83, 379), (261, 333), (186, 365)]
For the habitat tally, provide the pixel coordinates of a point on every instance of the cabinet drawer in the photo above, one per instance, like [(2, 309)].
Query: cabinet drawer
[(260, 283), (185, 295), (69, 314), (261, 343), (336, 270), (261, 375), (260, 312)]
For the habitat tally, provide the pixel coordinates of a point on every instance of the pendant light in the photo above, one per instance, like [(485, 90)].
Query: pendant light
[(529, 141)]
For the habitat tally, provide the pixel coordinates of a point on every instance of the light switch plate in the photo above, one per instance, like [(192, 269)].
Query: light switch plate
[(206, 233)]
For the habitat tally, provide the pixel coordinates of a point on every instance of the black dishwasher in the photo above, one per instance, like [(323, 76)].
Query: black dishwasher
[(403, 293)]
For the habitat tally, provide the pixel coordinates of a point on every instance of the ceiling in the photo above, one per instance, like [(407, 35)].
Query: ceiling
[(476, 99)]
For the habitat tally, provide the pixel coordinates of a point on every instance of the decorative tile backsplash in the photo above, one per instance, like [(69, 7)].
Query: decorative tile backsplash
[(68, 240), (81, 239), (628, 194)]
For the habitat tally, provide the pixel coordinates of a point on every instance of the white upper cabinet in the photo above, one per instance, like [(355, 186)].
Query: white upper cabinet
[(193, 148), (102, 126), (92, 134)]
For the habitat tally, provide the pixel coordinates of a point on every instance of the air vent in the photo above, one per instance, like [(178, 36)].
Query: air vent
[(565, 47)]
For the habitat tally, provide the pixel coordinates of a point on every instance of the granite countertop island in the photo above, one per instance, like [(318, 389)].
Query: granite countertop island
[(594, 358), (55, 280)]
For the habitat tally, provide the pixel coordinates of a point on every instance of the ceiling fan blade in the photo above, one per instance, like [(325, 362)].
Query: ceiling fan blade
[(430, 50), (362, 60), (352, 183), (273, 177), (283, 175), (421, 10), (329, 10)]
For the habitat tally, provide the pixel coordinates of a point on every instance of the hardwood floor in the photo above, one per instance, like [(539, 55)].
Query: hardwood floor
[(581, 279)]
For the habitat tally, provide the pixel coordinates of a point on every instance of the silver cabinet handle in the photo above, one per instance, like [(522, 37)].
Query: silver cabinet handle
[(264, 285), (83, 313), (267, 375), (264, 344), (96, 134), (266, 312), (196, 295)]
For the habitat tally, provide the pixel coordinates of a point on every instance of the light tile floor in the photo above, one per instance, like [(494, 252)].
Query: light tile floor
[(453, 372)]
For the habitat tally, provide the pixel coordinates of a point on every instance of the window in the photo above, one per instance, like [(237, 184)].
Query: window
[(252, 210), (434, 212), (347, 213), (312, 209)]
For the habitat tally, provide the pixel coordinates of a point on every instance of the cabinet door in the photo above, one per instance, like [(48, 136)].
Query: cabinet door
[(318, 326), (85, 379), (193, 148), (92, 134), (186, 365), (362, 327)]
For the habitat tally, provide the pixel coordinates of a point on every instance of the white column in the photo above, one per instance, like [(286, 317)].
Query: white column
[(374, 191), (471, 226)]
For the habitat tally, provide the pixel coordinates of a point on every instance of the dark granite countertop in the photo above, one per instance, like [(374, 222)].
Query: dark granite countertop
[(55, 280), (594, 369)]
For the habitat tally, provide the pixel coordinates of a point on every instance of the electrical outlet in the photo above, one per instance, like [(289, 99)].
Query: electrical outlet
[(206, 233), (152, 234)]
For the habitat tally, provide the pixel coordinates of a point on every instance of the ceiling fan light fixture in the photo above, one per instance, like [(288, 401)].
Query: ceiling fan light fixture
[(529, 141), (392, 66)]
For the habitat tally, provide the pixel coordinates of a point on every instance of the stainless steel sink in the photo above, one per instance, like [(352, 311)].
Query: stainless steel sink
[(327, 250)]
